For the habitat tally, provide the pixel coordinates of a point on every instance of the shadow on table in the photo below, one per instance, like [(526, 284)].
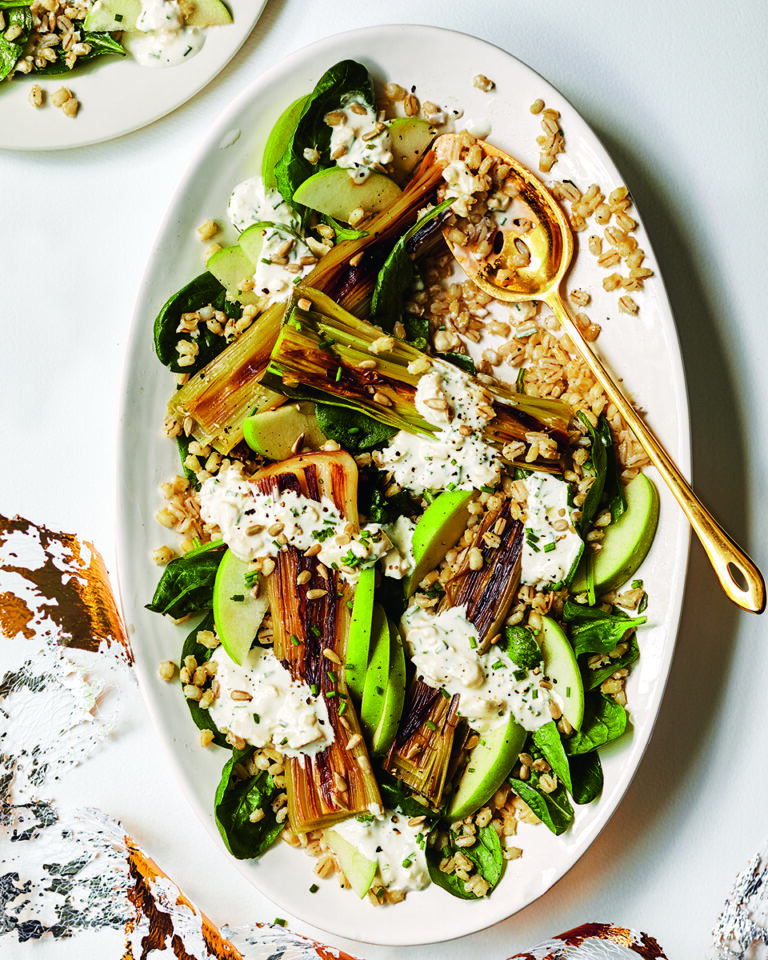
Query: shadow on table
[(709, 621)]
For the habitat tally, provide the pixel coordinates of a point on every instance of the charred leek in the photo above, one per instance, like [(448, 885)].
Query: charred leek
[(310, 635), (324, 353), (426, 747), (221, 395)]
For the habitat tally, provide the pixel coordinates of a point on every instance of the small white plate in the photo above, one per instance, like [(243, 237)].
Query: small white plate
[(116, 94), (644, 350)]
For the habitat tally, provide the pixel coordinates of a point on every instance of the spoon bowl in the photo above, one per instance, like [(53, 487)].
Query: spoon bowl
[(527, 258)]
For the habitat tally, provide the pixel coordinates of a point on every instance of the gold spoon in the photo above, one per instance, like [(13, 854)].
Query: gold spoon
[(530, 264)]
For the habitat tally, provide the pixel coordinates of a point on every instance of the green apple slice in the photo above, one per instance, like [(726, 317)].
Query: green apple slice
[(357, 868), (561, 666), (236, 613), (626, 542), (232, 267), (410, 138), (279, 137), (209, 13), (359, 638), (377, 674), (113, 15), (440, 526), (394, 697), (274, 433), (488, 767), (334, 193)]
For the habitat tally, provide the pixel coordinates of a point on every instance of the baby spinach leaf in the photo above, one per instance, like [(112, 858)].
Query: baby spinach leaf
[(521, 647), (102, 44), (592, 630), (485, 854), (200, 716), (547, 739), (416, 331), (604, 720), (186, 585), (593, 678), (397, 796), (606, 490), (182, 444), (11, 50), (383, 509), (398, 274), (587, 777), (344, 81), (198, 293), (236, 799), (553, 809), (355, 431), (463, 361), (342, 231)]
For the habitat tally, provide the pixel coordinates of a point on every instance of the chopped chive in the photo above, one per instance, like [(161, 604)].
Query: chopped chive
[(314, 888), (432, 725), (350, 604), (567, 691), (549, 547), (332, 676), (445, 693), (256, 718), (238, 597), (331, 693), (497, 665), (295, 640), (313, 688), (472, 642), (342, 707), (407, 862), (279, 922), (338, 375), (315, 630)]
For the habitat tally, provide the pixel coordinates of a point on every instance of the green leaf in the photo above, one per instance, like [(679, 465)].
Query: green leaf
[(485, 853), (236, 799), (547, 739), (102, 44), (461, 360), (593, 678), (416, 331), (587, 777), (383, 509), (606, 490), (355, 431), (592, 630), (396, 796), (521, 647), (200, 716), (553, 809), (344, 81), (11, 50), (398, 274), (186, 585), (604, 721), (198, 293)]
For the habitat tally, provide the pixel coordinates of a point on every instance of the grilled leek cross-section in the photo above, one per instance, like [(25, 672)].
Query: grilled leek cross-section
[(426, 746), (324, 353), (421, 752), (310, 637), (221, 395)]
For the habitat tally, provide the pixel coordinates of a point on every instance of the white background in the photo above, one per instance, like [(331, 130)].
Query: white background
[(677, 92)]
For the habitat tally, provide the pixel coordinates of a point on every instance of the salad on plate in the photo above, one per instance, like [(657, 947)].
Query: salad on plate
[(410, 524)]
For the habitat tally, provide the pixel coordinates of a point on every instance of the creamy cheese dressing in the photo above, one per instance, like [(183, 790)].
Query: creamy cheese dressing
[(446, 460), (253, 523), (444, 650), (356, 144), (551, 546), (467, 400), (397, 848), (462, 184), (249, 203), (399, 561), (160, 38), (281, 711)]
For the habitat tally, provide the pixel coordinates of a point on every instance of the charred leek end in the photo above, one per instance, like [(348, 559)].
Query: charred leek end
[(324, 353), (221, 395), (421, 753), (487, 593), (310, 636), (348, 272)]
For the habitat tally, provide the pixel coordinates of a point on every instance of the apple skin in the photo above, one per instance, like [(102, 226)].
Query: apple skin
[(334, 193), (359, 637), (357, 868), (237, 621), (279, 137), (626, 542), (488, 767), (377, 674), (394, 697), (440, 526), (231, 266), (274, 433), (561, 666)]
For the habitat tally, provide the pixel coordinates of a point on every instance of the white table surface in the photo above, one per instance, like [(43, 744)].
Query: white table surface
[(677, 91)]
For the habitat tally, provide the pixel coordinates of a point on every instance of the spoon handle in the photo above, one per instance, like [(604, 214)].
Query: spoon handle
[(740, 578)]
